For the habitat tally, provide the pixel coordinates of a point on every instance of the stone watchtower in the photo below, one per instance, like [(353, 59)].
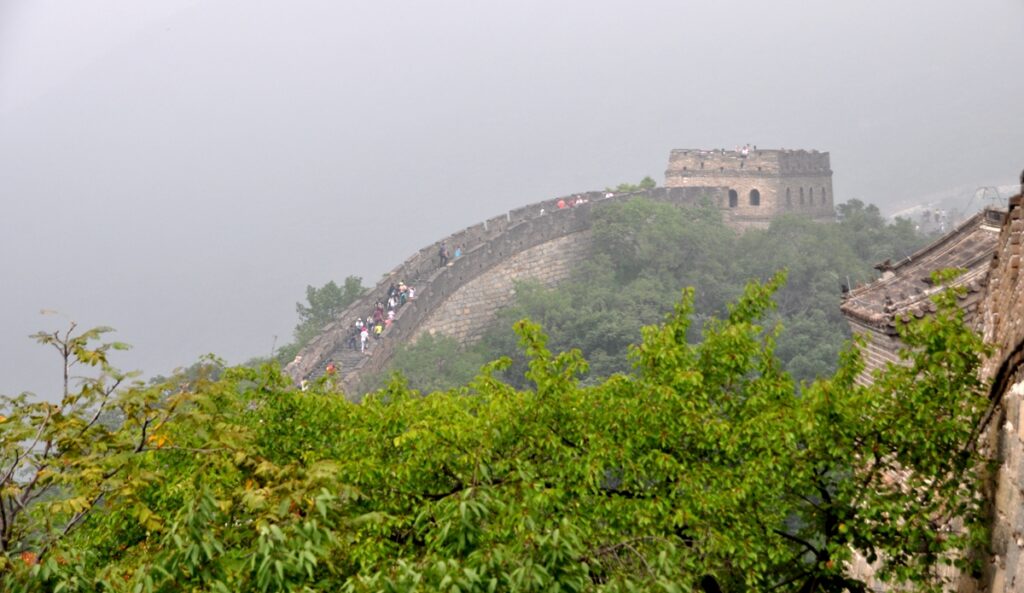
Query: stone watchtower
[(762, 184)]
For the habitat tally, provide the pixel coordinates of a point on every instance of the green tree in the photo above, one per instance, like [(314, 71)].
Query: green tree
[(432, 363), (63, 462), (646, 183), (871, 237)]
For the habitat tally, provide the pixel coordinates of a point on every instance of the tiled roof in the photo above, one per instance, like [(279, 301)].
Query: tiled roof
[(905, 287)]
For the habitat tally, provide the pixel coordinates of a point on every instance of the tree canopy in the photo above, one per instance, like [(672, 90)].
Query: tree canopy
[(701, 468)]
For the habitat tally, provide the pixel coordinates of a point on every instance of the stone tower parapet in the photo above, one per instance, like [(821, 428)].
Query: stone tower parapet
[(760, 184)]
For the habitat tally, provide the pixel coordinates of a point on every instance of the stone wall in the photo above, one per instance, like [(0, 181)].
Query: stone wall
[(472, 308), (490, 245), (1003, 312)]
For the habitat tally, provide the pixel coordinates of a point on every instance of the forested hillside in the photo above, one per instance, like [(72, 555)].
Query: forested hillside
[(645, 253)]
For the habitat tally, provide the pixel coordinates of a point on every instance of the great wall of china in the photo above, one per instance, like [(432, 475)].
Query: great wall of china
[(541, 242), (537, 242)]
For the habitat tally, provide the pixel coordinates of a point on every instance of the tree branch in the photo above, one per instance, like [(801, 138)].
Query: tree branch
[(797, 540)]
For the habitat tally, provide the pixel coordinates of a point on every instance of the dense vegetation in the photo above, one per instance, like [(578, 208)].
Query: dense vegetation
[(702, 468), (645, 252)]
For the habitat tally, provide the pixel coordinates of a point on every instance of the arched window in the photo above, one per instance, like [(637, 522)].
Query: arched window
[(789, 197), (801, 196), (810, 197), (734, 198), (755, 197), (823, 195)]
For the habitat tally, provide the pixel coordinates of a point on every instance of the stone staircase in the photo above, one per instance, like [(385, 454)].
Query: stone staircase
[(346, 359)]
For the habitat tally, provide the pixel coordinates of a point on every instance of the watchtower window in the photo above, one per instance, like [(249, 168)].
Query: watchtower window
[(789, 197), (823, 195), (734, 198), (755, 197), (811, 196), (801, 196)]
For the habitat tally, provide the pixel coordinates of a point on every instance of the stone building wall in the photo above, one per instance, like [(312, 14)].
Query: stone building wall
[(904, 292), (994, 303)]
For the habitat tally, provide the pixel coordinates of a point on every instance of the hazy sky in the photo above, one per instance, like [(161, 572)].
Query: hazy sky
[(182, 169)]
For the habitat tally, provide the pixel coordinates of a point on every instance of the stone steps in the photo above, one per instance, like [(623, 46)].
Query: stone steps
[(345, 358)]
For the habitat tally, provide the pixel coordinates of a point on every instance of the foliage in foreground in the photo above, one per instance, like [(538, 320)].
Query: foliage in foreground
[(700, 469)]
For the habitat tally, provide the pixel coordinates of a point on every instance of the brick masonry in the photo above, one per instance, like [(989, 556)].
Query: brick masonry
[(785, 182), (471, 309), (1003, 327)]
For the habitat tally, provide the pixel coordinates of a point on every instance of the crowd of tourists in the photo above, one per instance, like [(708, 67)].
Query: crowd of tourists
[(384, 310), (380, 318), (573, 201)]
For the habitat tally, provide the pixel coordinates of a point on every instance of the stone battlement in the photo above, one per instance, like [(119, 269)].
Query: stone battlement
[(756, 163)]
